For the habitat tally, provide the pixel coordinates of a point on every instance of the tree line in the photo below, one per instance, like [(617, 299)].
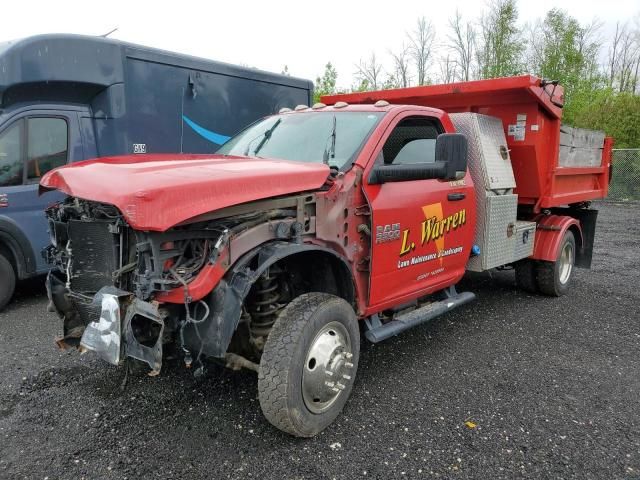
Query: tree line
[(601, 76)]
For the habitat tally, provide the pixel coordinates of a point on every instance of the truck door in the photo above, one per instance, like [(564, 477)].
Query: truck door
[(422, 229), (31, 144)]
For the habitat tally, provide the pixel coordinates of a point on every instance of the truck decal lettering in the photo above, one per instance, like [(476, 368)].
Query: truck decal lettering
[(406, 246), (433, 229), (418, 259), (387, 233)]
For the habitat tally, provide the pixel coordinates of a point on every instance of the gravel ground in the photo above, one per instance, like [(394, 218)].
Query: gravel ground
[(552, 386)]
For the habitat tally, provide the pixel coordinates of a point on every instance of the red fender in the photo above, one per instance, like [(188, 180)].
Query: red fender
[(550, 232), (202, 285)]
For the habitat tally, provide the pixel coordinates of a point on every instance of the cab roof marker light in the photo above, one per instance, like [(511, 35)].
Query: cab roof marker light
[(285, 110), (301, 107), (319, 105), (381, 103), (341, 105)]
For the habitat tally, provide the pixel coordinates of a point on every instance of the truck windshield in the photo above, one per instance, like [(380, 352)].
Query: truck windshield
[(331, 137)]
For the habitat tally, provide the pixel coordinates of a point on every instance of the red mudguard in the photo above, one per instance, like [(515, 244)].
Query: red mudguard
[(549, 234)]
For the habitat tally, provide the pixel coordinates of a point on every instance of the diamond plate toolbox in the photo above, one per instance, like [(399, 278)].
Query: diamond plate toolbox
[(488, 153), (525, 238), (494, 233)]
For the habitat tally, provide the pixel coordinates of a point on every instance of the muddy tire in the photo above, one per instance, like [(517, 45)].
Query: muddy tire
[(526, 276), (7, 281), (554, 277), (309, 364)]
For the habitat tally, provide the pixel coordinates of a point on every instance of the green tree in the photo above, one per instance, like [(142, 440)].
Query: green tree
[(326, 84), (361, 86), (563, 50), (500, 47), (617, 114)]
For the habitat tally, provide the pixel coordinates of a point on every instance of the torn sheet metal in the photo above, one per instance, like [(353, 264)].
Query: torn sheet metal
[(151, 355), (103, 334)]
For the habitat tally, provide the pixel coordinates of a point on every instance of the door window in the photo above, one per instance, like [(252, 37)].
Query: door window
[(47, 145), (11, 155), (413, 140)]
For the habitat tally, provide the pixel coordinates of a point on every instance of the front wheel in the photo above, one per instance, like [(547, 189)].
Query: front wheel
[(554, 277), (309, 364)]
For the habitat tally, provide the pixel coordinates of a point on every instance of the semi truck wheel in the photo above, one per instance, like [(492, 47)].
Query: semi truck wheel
[(526, 276), (7, 281), (554, 277), (309, 364)]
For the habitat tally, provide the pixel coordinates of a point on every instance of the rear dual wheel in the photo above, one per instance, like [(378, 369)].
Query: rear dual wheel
[(526, 275), (309, 364), (554, 277), (550, 278)]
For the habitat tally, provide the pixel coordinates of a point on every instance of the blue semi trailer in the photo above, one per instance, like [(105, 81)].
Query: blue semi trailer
[(65, 98)]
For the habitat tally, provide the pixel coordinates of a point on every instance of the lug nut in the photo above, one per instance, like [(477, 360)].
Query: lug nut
[(329, 384), (336, 390), (348, 364), (348, 355), (340, 386), (328, 373), (346, 377)]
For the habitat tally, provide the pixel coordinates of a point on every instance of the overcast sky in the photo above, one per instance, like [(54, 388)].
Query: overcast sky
[(303, 35)]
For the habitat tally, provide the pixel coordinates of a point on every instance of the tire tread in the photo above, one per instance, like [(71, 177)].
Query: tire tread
[(276, 359), (9, 275), (546, 273), (526, 276)]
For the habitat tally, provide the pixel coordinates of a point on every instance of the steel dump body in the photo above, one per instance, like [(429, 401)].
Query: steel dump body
[(531, 116)]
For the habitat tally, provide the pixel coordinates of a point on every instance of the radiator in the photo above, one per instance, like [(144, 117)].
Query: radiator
[(94, 255)]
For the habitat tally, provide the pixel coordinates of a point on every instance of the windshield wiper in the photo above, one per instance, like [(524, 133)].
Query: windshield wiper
[(331, 151), (266, 136)]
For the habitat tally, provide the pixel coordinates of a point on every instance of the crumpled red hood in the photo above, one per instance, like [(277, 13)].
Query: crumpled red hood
[(156, 192)]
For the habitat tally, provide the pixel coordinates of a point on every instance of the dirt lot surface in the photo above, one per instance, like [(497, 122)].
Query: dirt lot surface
[(552, 386)]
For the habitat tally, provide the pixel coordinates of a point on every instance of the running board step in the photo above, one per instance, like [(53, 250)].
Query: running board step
[(377, 333)]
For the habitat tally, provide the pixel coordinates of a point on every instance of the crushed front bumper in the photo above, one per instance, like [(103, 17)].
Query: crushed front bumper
[(107, 324)]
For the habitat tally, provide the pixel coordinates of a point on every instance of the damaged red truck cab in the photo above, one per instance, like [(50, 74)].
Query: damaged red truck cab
[(266, 255)]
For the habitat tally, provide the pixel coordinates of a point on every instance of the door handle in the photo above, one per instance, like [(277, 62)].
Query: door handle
[(454, 197)]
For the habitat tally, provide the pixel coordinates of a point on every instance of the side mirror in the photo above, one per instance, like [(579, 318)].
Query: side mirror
[(450, 164), (451, 149)]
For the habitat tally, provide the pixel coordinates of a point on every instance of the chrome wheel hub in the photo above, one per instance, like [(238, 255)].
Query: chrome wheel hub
[(566, 263), (328, 369)]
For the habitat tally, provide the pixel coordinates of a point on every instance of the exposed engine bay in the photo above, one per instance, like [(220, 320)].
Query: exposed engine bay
[(125, 293)]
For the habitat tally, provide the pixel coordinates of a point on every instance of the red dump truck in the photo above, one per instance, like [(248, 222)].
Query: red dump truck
[(315, 224)]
